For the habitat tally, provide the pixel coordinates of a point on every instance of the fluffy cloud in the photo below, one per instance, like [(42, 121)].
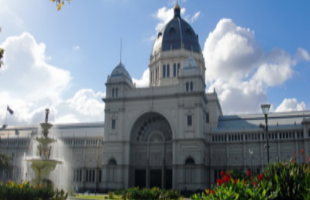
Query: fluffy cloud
[(144, 81), (87, 102), (291, 105), (241, 71), (28, 73), (164, 15), (29, 84)]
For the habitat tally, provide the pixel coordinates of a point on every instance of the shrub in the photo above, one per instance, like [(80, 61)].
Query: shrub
[(118, 192), (24, 191), (110, 195), (230, 189), (291, 178), (152, 194)]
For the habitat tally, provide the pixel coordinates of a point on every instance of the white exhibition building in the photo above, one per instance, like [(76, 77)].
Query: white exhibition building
[(171, 134)]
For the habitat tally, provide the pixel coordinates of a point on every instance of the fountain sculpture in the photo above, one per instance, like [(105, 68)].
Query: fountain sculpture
[(42, 164)]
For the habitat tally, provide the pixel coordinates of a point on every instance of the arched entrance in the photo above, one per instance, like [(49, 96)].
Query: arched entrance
[(151, 152)]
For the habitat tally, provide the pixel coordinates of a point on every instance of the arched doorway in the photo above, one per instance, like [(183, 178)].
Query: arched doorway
[(151, 152)]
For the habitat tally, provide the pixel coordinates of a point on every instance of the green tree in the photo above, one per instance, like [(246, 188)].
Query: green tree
[(5, 161)]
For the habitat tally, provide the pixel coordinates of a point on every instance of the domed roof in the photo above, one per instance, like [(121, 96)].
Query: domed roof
[(175, 34), (120, 72)]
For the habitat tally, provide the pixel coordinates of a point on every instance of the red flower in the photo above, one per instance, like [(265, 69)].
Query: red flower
[(248, 173), (224, 178), (302, 151), (260, 177), (254, 183), (219, 181), (222, 173), (236, 181), (212, 191), (244, 182)]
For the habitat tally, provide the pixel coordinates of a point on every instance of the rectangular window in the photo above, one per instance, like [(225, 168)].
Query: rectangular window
[(179, 69), (207, 118), (189, 120), (113, 124), (168, 70), (215, 176), (174, 70), (100, 175), (164, 71)]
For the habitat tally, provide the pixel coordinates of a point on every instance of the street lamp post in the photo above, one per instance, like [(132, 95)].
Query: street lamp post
[(265, 108)]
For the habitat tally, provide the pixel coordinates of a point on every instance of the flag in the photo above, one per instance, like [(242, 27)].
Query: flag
[(10, 110)]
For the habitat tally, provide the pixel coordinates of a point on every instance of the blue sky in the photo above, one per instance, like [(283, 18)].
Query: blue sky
[(72, 51)]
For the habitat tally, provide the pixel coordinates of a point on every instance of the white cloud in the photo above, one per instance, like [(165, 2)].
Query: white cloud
[(291, 105), (164, 15), (29, 85), (87, 102), (195, 16), (302, 54), (144, 81), (239, 69), (29, 75)]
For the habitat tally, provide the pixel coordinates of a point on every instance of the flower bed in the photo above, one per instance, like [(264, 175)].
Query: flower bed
[(24, 191), (279, 181)]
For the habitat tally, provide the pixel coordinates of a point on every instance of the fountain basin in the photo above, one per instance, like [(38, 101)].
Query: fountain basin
[(42, 168)]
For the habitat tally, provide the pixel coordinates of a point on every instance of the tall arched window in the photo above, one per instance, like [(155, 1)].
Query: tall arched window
[(189, 161), (112, 162), (116, 92), (191, 86), (112, 170), (189, 170), (174, 70), (168, 70), (164, 71), (112, 92), (187, 86)]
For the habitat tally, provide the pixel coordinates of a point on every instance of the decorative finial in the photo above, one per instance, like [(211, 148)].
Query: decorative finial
[(177, 5), (177, 10)]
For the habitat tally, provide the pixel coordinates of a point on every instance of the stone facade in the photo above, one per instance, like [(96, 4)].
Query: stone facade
[(171, 134)]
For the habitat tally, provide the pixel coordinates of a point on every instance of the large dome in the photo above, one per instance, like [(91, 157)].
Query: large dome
[(176, 34)]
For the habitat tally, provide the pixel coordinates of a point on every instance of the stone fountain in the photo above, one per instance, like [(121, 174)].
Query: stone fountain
[(42, 164)]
